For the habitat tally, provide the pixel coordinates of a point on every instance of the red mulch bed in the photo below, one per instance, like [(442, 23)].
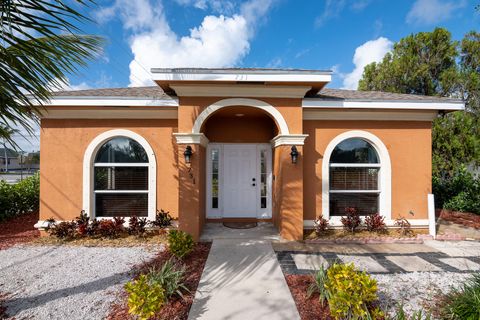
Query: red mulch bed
[(18, 230), (464, 218), (309, 308), (177, 308)]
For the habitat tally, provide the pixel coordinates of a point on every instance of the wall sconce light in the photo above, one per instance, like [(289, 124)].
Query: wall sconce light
[(188, 154), (294, 154)]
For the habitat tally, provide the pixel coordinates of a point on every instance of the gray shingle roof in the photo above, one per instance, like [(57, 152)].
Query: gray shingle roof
[(140, 92), (341, 94), (325, 94)]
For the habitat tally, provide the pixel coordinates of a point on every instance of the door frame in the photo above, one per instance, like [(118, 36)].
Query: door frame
[(217, 213)]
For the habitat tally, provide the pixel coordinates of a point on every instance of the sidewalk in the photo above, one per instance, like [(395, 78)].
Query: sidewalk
[(242, 279)]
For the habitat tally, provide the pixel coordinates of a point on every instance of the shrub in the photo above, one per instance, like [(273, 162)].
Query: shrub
[(352, 220), (375, 223), (111, 228), (163, 219), (170, 276), (463, 303), (144, 298), (351, 293), (460, 192), (62, 230), (92, 229), (318, 285), (405, 228), (20, 198), (180, 243), (82, 223), (320, 224), (136, 226)]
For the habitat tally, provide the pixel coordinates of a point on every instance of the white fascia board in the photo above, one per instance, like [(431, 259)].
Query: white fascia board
[(241, 77), (110, 102), (351, 104)]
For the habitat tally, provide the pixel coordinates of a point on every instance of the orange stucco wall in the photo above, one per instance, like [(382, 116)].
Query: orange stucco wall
[(409, 146), (63, 144)]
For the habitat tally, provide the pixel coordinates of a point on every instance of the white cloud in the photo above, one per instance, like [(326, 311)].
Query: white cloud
[(218, 6), (219, 41), (370, 51), (428, 12)]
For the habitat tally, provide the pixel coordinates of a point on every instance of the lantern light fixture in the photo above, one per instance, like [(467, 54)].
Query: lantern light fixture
[(188, 154), (294, 154)]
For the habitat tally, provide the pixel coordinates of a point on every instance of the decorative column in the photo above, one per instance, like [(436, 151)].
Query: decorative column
[(289, 185), (191, 176)]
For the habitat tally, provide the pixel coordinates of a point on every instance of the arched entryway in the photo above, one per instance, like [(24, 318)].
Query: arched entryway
[(239, 163)]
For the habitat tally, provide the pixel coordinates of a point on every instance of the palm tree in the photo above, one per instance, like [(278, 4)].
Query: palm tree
[(39, 46)]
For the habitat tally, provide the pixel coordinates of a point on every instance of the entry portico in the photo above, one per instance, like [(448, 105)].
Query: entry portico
[(244, 171)]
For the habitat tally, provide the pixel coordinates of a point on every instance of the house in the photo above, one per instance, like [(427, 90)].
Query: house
[(9, 159), (213, 145)]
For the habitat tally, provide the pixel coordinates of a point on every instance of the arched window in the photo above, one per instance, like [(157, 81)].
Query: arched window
[(120, 179), (354, 170)]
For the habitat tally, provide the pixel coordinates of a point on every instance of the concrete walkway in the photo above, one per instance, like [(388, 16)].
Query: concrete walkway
[(242, 279)]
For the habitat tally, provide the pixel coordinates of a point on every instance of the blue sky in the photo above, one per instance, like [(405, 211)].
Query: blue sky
[(338, 35)]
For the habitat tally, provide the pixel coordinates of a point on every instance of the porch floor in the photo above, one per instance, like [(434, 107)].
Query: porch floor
[(263, 231)]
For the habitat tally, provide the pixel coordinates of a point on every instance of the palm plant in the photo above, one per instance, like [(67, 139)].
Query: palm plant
[(39, 46)]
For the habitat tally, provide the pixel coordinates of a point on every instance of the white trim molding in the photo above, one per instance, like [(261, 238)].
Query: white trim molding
[(336, 223), (288, 140), (239, 90), (108, 101), (383, 104), (271, 110), (376, 115), (88, 164), (191, 138), (385, 202), (240, 75), (108, 113)]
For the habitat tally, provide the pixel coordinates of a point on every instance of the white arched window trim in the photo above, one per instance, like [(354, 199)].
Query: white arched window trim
[(88, 163), (385, 201)]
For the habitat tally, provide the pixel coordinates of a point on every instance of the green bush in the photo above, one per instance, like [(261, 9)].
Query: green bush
[(461, 192), (318, 285), (20, 198), (463, 303), (170, 276), (400, 314), (351, 293), (145, 298), (180, 243)]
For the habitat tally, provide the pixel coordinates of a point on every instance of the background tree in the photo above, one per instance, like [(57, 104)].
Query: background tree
[(38, 48), (431, 63)]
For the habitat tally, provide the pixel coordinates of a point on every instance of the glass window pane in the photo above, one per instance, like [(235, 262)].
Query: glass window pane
[(263, 202), (354, 150), (121, 150), (366, 203), (348, 178), (215, 168), (121, 205), (121, 178)]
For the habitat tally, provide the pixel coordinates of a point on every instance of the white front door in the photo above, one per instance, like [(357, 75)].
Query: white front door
[(239, 181)]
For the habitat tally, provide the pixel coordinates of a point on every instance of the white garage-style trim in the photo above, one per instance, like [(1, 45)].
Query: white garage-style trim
[(385, 201), (88, 163), (271, 110)]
